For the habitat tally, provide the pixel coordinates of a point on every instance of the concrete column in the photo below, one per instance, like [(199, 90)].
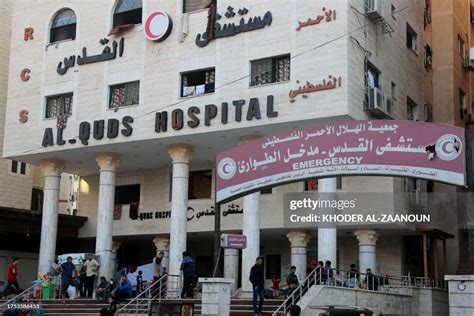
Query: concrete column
[(231, 266), (299, 240), (163, 244), (108, 163), (250, 228), (327, 237), (181, 155), (52, 170), (113, 258), (367, 254)]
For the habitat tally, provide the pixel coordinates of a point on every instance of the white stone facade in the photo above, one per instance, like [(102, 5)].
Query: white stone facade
[(317, 51)]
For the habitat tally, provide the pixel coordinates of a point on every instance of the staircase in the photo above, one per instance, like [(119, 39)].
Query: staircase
[(88, 307)]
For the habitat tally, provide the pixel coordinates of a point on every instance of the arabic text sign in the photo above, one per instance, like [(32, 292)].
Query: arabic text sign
[(390, 148), (233, 241)]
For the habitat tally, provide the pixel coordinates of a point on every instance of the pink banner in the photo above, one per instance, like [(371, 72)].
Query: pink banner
[(379, 147)]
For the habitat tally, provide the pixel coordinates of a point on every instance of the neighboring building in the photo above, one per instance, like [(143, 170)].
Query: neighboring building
[(449, 87), (141, 121)]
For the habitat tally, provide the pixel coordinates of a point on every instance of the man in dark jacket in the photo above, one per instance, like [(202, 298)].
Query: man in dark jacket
[(292, 280), (189, 273), (257, 280)]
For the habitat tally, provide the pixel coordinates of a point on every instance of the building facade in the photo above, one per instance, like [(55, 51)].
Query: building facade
[(141, 121)]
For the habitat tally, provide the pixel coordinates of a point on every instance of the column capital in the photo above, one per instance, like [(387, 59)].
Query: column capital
[(366, 236), (108, 161), (52, 167), (248, 139), (161, 243), (181, 153), (298, 238)]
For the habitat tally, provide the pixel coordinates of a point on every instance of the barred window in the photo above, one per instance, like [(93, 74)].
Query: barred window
[(198, 82), (58, 105), (270, 70), (125, 94)]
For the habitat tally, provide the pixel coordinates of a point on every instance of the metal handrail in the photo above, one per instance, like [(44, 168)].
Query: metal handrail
[(349, 279), (22, 294), (156, 289)]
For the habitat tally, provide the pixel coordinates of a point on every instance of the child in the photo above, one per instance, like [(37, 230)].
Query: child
[(139, 282)]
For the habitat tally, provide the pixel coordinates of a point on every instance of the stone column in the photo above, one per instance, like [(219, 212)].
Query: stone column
[(299, 240), (181, 154), (108, 163), (367, 254), (163, 244), (113, 258), (231, 266), (327, 237), (250, 228), (52, 170)]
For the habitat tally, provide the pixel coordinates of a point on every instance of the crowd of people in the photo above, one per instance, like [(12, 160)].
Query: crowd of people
[(114, 292)]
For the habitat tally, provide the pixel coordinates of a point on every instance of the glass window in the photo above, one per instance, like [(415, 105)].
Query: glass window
[(412, 110), (198, 82), (195, 5), (270, 70), (412, 38), (200, 183), (127, 12), (58, 105), (14, 168), (126, 194), (63, 26), (124, 94), (462, 104)]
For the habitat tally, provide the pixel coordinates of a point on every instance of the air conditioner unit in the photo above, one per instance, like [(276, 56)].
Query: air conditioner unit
[(415, 198), (377, 103), (373, 9)]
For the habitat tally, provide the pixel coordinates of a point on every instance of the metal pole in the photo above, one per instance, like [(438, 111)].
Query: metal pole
[(217, 234)]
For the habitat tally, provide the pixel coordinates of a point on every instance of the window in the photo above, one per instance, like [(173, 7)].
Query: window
[(427, 13), (195, 5), (126, 194), (412, 38), (412, 110), (266, 191), (394, 92), (63, 26), (37, 199), (273, 266), (198, 82), (428, 58), (200, 183), (18, 167), (312, 185), (460, 45), (393, 11), (373, 75), (270, 70), (124, 94), (58, 105), (127, 12), (428, 112), (462, 104)]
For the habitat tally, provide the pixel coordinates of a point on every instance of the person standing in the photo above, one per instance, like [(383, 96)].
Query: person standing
[(292, 280), (257, 280), (158, 271), (69, 275), (92, 266), (189, 272), (12, 277)]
